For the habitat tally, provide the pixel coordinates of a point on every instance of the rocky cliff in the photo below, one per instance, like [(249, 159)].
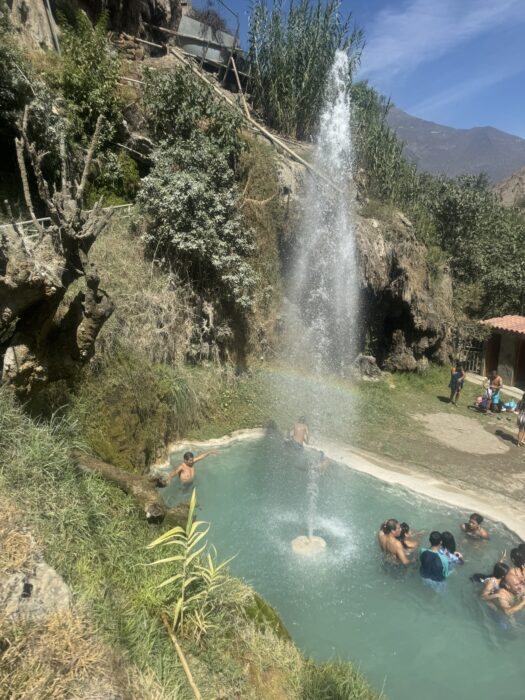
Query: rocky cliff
[(407, 305), (406, 302), (35, 21)]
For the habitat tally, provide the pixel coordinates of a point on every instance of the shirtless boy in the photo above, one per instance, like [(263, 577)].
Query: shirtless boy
[(387, 538), (473, 527), (186, 469), (299, 432)]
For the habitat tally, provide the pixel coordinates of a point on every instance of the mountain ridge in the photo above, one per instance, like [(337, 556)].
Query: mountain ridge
[(440, 149)]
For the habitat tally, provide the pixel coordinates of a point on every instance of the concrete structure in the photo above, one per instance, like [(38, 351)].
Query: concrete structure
[(504, 351)]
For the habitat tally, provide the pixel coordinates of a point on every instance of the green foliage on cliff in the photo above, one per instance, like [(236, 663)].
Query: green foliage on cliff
[(89, 75), (15, 89), (479, 238), (292, 53), (190, 199)]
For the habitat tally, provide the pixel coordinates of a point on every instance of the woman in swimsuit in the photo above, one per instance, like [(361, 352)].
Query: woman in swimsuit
[(491, 584)]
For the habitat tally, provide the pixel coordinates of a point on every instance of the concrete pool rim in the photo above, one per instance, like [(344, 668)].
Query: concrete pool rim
[(495, 506)]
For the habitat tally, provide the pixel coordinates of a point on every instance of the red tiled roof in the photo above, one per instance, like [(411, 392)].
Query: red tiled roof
[(515, 324)]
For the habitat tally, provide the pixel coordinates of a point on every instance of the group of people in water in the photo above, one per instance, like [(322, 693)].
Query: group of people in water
[(504, 588)]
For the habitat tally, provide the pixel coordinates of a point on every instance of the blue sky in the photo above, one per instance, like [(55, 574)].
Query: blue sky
[(455, 62)]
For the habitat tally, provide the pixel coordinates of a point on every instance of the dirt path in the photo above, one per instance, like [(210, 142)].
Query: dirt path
[(462, 433)]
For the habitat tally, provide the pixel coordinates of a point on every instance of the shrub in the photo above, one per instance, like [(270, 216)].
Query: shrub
[(117, 181), (179, 106), (15, 90), (191, 201), (89, 76), (291, 57)]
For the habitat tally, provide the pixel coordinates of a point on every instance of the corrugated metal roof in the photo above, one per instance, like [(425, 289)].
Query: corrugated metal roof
[(514, 324)]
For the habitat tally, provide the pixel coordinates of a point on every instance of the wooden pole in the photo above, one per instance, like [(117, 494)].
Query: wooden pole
[(237, 80), (182, 658), (274, 139)]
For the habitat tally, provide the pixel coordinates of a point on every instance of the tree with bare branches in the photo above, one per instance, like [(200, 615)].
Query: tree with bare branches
[(51, 304)]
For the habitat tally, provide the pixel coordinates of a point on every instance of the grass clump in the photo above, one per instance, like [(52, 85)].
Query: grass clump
[(335, 681), (129, 409)]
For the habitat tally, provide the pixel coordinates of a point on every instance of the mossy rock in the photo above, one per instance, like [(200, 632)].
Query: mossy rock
[(264, 615)]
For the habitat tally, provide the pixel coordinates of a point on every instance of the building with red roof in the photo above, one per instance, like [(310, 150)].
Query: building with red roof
[(504, 351)]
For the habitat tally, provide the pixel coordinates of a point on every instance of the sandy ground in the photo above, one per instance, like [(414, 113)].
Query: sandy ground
[(462, 433)]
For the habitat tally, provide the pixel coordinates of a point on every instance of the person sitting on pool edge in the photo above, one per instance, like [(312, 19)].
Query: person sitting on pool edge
[(299, 432), (186, 469), (390, 544), (434, 567), (473, 528)]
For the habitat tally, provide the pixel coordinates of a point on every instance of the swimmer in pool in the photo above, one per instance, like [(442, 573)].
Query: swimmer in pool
[(186, 469), (506, 600), (406, 533), (473, 528), (515, 578), (299, 432), (388, 541), (448, 548), (491, 584)]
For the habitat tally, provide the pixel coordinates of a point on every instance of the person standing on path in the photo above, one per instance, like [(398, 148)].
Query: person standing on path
[(521, 421), (456, 383)]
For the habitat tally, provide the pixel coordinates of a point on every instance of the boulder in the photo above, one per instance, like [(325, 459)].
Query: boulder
[(365, 367)]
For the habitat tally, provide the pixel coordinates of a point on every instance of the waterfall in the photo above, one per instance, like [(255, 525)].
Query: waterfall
[(324, 287)]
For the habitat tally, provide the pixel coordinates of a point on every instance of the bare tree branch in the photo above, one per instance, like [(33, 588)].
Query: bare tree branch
[(25, 183), (87, 165)]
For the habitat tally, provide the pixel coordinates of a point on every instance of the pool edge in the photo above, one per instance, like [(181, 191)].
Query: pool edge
[(497, 507)]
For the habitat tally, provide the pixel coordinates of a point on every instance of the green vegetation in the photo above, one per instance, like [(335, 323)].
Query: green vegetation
[(291, 57), (88, 77), (190, 199), (94, 536), (477, 236), (198, 577), (15, 89)]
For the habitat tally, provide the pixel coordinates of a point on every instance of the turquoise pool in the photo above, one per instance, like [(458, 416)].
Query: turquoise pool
[(346, 603)]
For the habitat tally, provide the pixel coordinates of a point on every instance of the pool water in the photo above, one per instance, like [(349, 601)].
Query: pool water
[(409, 640)]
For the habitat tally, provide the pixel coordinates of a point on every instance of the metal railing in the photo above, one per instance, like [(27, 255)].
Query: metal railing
[(124, 208)]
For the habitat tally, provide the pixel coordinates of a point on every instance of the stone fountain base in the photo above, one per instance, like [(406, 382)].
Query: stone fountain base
[(308, 545)]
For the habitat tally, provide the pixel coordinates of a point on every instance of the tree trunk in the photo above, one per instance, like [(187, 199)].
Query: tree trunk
[(141, 487)]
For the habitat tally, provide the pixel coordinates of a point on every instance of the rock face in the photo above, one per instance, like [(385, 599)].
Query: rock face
[(512, 190), (407, 305), (35, 27), (31, 23)]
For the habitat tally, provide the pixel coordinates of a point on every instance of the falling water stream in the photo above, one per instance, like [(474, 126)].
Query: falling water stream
[(324, 289)]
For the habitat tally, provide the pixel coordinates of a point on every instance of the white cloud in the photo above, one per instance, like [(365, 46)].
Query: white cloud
[(403, 38)]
